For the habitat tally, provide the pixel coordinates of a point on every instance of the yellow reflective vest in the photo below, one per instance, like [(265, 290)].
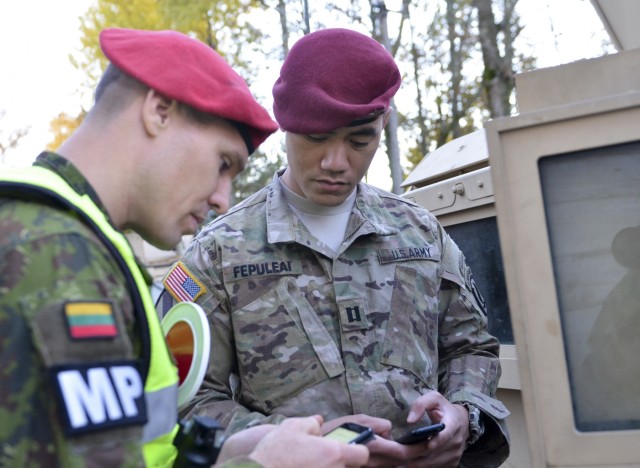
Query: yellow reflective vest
[(161, 381)]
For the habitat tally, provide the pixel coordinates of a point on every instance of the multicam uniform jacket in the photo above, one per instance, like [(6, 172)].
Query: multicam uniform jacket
[(298, 329), (47, 258)]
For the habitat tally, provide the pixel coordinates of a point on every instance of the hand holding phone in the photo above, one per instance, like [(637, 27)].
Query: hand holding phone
[(351, 433), (421, 434)]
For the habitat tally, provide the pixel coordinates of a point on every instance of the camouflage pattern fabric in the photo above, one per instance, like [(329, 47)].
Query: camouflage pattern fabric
[(298, 330), (48, 257)]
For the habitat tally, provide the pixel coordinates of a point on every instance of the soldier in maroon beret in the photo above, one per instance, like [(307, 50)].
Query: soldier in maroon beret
[(327, 295), (89, 378)]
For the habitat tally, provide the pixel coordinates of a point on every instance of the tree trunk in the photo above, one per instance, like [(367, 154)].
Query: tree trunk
[(455, 69), (391, 131), (497, 79), (423, 146), (284, 27)]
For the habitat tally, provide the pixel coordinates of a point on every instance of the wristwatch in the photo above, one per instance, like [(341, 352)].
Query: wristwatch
[(476, 425), (199, 441)]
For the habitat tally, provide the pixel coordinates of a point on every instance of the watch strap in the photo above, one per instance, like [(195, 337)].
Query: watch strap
[(476, 425)]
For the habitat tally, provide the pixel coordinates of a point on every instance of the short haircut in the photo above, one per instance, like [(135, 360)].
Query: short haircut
[(116, 88)]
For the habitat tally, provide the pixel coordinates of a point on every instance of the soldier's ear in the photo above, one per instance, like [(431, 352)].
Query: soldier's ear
[(157, 112)]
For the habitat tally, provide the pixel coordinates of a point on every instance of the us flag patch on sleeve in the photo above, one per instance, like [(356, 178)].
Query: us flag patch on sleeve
[(182, 284)]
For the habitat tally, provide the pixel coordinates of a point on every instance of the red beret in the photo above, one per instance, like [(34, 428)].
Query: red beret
[(187, 70), (332, 77)]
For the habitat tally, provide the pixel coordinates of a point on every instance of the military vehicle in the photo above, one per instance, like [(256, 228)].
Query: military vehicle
[(546, 207)]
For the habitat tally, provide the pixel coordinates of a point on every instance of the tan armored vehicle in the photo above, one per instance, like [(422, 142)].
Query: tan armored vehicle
[(546, 207)]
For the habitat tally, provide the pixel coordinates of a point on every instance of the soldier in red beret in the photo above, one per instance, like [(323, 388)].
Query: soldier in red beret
[(87, 378), (327, 295)]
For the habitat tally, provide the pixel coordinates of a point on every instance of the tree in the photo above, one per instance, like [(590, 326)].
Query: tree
[(62, 126), (10, 141), (437, 46), (225, 26), (379, 19), (457, 57), (449, 58), (422, 137), (221, 25), (257, 175), (137, 14), (498, 76), (452, 83)]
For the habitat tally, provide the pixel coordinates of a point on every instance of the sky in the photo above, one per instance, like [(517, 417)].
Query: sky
[(37, 80)]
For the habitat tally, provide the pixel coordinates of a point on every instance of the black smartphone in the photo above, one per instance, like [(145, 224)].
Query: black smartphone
[(420, 434), (351, 433)]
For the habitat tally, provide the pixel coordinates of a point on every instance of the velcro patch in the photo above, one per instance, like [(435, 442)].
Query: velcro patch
[(353, 314), (89, 320), (96, 396), (403, 254), (262, 269), (182, 284), (471, 285)]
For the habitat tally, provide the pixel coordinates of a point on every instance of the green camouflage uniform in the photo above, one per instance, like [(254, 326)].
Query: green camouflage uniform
[(298, 330), (48, 257)]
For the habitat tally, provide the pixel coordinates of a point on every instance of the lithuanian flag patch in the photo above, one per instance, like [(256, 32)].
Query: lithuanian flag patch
[(88, 320)]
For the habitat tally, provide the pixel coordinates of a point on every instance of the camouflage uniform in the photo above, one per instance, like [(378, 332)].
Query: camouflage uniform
[(48, 257), (298, 330)]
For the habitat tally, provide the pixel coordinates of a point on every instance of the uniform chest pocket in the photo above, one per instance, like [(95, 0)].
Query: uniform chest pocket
[(282, 346), (411, 336)]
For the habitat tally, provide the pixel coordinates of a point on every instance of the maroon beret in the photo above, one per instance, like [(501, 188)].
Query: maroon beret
[(187, 70), (332, 77)]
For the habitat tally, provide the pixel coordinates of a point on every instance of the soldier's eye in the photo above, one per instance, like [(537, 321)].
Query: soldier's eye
[(317, 138)]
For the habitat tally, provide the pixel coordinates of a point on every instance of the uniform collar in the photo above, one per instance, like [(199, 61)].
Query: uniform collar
[(366, 215), (72, 176)]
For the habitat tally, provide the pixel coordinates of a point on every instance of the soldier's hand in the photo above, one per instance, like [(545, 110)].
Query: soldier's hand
[(243, 442), (445, 449), (383, 452), (297, 442), (381, 427), (442, 450)]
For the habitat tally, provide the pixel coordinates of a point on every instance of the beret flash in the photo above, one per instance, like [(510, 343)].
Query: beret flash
[(187, 70), (332, 77)]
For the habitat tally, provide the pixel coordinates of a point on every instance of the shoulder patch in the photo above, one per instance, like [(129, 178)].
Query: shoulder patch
[(453, 262), (471, 285), (96, 396), (182, 284), (402, 254), (89, 320)]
